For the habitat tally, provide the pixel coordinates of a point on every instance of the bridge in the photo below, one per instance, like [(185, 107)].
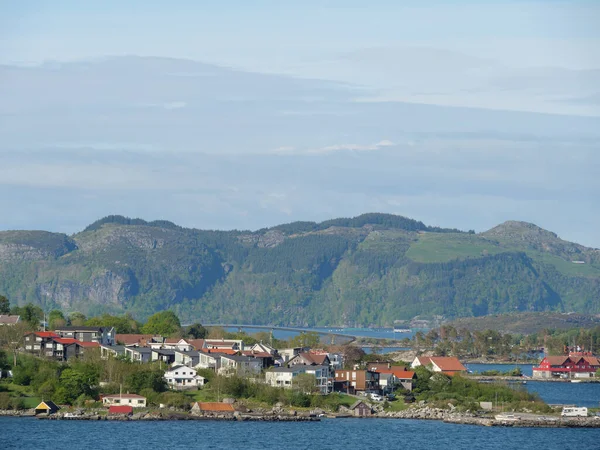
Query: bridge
[(346, 338)]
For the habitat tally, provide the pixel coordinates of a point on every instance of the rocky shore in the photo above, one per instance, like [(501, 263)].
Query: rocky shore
[(417, 413)]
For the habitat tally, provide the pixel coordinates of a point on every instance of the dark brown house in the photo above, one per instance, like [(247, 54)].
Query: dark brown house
[(361, 409)]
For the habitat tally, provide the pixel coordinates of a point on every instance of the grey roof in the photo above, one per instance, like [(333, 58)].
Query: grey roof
[(358, 402), (164, 351), (299, 368), (140, 349), (9, 319), (120, 349)]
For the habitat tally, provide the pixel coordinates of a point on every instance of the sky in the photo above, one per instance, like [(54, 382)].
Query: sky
[(248, 114)]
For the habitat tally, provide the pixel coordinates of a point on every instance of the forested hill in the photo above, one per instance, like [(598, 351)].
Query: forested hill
[(367, 270)]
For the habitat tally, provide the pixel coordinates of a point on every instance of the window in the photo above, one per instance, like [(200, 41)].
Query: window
[(140, 402)]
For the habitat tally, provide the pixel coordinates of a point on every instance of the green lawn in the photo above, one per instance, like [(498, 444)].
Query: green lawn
[(396, 405), (444, 247), (24, 392)]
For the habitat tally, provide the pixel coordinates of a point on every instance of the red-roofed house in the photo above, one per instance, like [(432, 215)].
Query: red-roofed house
[(575, 365), (446, 364), (134, 340), (36, 342)]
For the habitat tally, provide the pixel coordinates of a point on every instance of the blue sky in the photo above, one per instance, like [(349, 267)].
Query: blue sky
[(495, 105)]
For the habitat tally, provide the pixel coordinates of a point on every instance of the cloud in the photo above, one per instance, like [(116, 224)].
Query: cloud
[(353, 147)]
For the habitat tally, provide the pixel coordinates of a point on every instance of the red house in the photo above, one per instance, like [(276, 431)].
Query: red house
[(575, 365)]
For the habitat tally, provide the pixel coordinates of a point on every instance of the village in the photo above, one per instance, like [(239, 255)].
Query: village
[(186, 363)]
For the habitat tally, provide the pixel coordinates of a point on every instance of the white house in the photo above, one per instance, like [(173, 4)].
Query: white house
[(134, 400), (284, 376), (208, 361), (183, 377), (240, 365)]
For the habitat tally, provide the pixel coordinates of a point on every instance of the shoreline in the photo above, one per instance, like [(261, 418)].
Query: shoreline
[(424, 413)]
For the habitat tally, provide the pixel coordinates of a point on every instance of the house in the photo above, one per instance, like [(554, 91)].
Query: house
[(212, 407), (309, 359), (170, 344), (358, 380), (240, 365), (224, 344), (139, 354), (189, 358), (208, 360), (134, 400), (120, 409), (183, 377), (361, 409), (46, 407), (266, 359), (101, 335), (7, 319), (288, 353), (284, 376), (136, 340), (107, 351), (446, 364), (575, 365), (261, 347), (36, 342), (391, 376), (164, 355)]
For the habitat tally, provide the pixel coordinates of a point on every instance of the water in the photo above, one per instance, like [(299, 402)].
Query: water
[(580, 394), (329, 434), (382, 333), (527, 369)]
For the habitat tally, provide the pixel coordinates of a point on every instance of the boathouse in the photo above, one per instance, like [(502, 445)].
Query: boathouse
[(573, 365)]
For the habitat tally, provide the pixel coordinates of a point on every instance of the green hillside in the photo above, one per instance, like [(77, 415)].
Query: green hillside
[(368, 270)]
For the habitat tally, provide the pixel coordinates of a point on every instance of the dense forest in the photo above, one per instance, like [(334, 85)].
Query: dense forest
[(367, 270)]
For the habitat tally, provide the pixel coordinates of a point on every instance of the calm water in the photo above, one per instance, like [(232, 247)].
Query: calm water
[(580, 394), (527, 369), (346, 434), (386, 333)]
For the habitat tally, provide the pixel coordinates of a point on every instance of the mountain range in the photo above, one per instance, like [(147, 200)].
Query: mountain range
[(368, 270)]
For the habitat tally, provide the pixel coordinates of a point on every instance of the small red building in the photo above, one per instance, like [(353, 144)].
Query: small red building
[(575, 365), (120, 409)]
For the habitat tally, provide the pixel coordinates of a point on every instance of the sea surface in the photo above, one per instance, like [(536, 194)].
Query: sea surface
[(527, 369), (329, 434)]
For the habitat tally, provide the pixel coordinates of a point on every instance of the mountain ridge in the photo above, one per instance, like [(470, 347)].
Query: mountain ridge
[(366, 270)]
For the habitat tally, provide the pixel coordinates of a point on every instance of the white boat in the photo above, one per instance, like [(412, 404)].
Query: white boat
[(506, 418), (575, 381), (402, 330)]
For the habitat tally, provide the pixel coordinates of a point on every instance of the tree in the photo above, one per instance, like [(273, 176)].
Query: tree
[(309, 339), (77, 319), (164, 323), (197, 331), (305, 383), (56, 319), (12, 337), (4, 305), (29, 313)]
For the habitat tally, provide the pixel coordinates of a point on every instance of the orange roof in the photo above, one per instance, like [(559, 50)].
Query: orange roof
[(215, 406), (131, 339), (398, 372), (49, 334), (445, 363), (592, 360), (215, 351), (89, 344), (196, 343), (66, 341)]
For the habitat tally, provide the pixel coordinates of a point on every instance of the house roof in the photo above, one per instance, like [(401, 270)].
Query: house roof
[(592, 360), (222, 351), (8, 319), (48, 404), (66, 341), (445, 363), (180, 366), (46, 334), (89, 344), (120, 349), (399, 372), (145, 350), (257, 354), (196, 343), (215, 406), (556, 360), (120, 409), (238, 358), (357, 403), (132, 339), (164, 351), (313, 359), (124, 396)]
